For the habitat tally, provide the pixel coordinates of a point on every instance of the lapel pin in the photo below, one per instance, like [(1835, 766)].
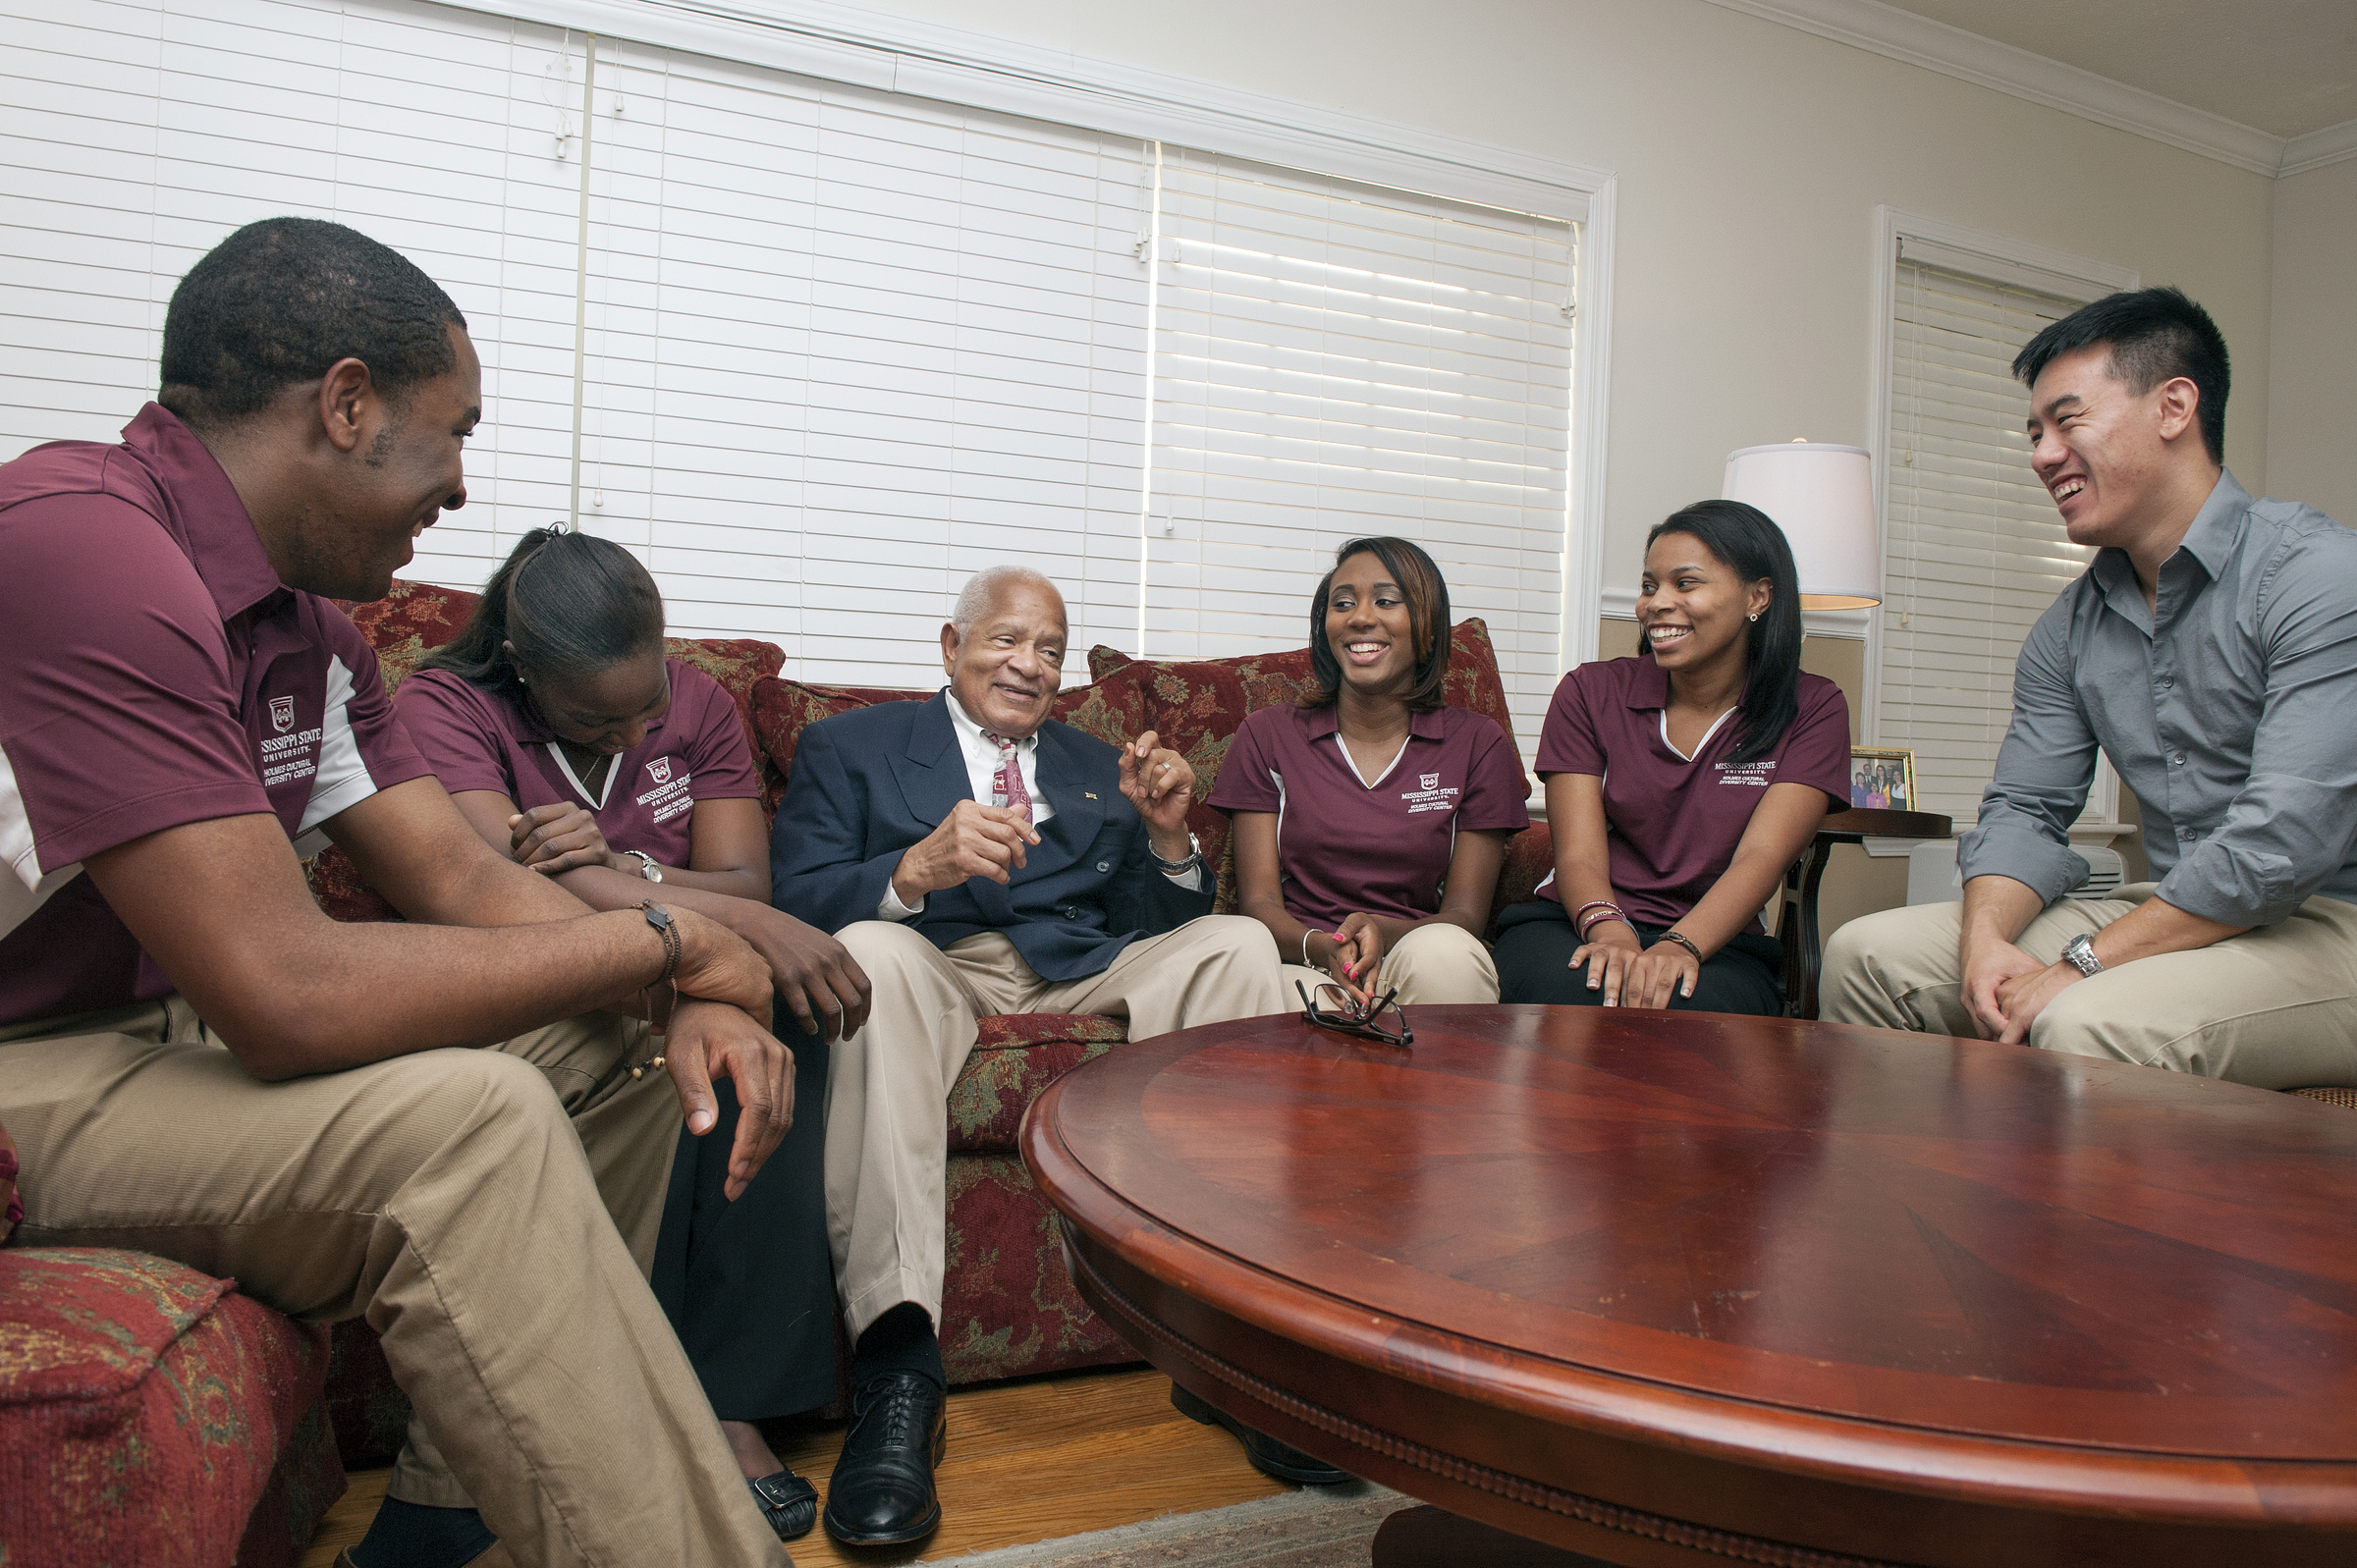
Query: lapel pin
[(1091, 793)]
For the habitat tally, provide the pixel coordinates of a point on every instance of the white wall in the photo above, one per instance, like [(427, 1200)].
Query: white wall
[(1751, 157), (2311, 432)]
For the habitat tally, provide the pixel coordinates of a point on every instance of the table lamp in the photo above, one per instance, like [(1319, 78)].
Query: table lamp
[(1823, 497)]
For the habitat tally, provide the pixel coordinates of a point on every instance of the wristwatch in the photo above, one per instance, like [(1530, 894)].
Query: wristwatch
[(2081, 957), (647, 864), (1172, 868)]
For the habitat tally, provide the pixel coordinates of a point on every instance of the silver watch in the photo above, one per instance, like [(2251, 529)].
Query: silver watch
[(2081, 955), (1172, 868), (647, 864)]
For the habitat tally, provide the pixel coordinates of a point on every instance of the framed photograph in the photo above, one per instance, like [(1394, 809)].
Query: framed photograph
[(1882, 780)]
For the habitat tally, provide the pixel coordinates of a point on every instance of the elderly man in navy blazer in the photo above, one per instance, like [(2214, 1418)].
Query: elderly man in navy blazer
[(977, 858)]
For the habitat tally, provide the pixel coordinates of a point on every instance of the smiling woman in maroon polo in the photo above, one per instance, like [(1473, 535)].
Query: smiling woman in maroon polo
[(1371, 820), (1680, 783)]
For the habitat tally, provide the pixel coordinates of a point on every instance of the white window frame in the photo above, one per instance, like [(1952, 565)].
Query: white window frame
[(2004, 259), (985, 71)]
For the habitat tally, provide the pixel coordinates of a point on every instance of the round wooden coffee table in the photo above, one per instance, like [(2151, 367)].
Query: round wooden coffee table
[(1685, 1288)]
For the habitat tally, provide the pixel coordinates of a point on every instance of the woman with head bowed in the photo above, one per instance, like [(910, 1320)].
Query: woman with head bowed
[(568, 741)]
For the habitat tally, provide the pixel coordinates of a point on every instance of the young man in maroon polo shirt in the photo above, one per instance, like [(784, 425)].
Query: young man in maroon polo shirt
[(197, 1062)]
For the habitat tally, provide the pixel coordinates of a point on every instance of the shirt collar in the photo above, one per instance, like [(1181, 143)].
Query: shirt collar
[(970, 735), (217, 531), (1327, 720), (2210, 540), (1648, 685)]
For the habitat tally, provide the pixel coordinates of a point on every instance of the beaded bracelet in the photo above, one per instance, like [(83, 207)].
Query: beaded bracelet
[(1605, 910)]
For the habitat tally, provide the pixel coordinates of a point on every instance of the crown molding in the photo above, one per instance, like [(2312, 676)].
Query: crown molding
[(2319, 147), (1952, 51)]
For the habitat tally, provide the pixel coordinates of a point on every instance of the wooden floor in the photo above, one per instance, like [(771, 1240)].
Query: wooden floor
[(1028, 1460)]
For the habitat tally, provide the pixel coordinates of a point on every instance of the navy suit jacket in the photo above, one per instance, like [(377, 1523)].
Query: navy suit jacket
[(868, 784)]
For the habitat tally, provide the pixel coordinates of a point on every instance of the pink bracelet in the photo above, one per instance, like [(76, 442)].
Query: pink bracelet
[(1603, 909)]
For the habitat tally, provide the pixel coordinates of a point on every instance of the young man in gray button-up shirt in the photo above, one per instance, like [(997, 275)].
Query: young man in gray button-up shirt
[(2211, 652)]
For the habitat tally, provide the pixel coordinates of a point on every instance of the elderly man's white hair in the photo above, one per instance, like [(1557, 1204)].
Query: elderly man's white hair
[(981, 591)]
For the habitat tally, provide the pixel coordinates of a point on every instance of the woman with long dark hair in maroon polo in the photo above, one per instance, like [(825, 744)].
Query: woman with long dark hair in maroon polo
[(569, 741), (1371, 819), (1682, 782)]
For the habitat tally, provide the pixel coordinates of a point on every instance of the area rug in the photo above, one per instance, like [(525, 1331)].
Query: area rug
[(1317, 1527)]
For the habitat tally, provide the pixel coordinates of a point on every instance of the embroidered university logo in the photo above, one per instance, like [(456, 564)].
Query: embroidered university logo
[(282, 714), (659, 770), (1432, 781)]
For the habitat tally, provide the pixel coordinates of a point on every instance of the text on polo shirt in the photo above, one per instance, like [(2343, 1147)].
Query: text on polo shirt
[(669, 797), (1430, 796), (1753, 773), (287, 758)]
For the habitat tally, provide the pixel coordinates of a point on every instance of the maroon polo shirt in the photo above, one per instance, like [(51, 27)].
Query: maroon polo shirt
[(646, 801), (1345, 845), (1674, 821), (154, 672)]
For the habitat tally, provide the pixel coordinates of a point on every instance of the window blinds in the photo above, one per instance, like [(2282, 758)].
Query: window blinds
[(847, 349), (1975, 551), (1334, 359), (841, 347)]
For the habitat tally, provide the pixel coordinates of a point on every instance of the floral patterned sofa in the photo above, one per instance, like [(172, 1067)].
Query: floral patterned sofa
[(150, 1414), (1009, 1308)]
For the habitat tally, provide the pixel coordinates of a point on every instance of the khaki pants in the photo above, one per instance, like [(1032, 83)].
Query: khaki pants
[(888, 1087), (2275, 1008), (445, 1197), (1435, 964)]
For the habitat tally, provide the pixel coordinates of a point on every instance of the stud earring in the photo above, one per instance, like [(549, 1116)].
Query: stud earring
[(1754, 615)]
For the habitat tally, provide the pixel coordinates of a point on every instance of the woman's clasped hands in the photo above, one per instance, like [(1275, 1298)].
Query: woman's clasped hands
[(1631, 974)]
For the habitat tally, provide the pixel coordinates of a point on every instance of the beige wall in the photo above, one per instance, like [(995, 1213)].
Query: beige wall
[(1750, 158), (2312, 426)]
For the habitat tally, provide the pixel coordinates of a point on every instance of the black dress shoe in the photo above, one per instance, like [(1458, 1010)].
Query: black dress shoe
[(1269, 1456), (881, 1493), (788, 1501)]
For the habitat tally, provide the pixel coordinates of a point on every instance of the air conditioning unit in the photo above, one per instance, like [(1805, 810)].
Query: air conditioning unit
[(1931, 872)]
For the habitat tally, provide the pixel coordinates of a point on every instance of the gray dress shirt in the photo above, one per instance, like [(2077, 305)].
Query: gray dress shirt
[(2229, 708)]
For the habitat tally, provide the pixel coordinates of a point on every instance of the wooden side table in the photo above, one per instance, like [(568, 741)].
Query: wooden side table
[(1796, 919)]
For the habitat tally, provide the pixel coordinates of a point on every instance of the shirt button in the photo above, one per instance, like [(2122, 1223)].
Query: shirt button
[(2167, 682), (2184, 833), (2176, 759), (1107, 865)]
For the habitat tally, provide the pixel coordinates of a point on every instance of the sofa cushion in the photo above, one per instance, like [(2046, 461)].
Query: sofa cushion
[(1017, 1056), (408, 621), (145, 1408), (1007, 1306)]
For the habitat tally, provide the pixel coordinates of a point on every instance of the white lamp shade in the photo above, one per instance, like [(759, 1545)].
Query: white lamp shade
[(1823, 498)]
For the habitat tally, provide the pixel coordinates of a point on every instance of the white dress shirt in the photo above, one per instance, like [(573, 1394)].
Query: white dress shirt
[(981, 774)]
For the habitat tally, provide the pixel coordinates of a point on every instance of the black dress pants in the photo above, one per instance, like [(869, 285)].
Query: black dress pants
[(750, 1286), (1535, 944)]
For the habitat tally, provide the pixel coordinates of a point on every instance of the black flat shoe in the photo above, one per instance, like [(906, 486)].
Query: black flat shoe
[(788, 1501), (881, 1493), (1270, 1457)]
